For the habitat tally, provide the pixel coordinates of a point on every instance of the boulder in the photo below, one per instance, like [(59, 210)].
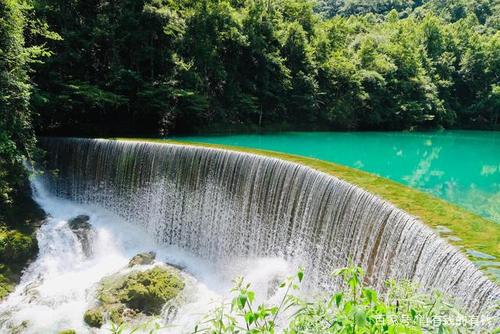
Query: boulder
[(84, 232), (149, 290), (137, 294), (94, 317), (79, 222), (142, 259)]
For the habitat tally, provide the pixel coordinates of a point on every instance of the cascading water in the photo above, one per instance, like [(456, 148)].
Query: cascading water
[(220, 205), (219, 214), (60, 285)]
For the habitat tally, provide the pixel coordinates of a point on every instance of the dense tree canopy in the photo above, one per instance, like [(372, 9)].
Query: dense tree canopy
[(16, 136), (151, 67), (158, 66)]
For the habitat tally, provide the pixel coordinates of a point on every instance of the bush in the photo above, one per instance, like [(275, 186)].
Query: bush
[(16, 247), (355, 309)]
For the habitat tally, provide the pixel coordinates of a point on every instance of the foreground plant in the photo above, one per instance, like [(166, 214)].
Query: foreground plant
[(355, 309), (150, 327)]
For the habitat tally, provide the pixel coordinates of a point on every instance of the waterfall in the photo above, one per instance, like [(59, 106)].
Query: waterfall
[(222, 204)]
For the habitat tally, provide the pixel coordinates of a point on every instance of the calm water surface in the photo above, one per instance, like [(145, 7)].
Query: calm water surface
[(462, 167)]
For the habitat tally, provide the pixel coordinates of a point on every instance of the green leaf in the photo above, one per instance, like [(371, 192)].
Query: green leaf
[(300, 275), (251, 296), (250, 317), (242, 300), (338, 299), (360, 317)]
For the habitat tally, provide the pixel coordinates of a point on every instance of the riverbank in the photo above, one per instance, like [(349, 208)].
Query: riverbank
[(18, 244), (463, 229)]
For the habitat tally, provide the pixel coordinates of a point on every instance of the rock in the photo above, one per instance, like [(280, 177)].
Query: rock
[(142, 259), (84, 232), (125, 297), (148, 291), (18, 329), (94, 317), (81, 221), (67, 331)]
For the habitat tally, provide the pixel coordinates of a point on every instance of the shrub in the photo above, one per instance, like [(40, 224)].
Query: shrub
[(16, 247), (354, 309)]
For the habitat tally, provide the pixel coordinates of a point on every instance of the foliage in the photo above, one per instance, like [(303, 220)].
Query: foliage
[(16, 136), (150, 327), (18, 53), (7, 281), (152, 67), (16, 247), (355, 308)]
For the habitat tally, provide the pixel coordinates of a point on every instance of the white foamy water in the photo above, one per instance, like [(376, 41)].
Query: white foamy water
[(59, 285)]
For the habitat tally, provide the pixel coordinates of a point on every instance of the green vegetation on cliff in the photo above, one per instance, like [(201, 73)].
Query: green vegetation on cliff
[(18, 212)]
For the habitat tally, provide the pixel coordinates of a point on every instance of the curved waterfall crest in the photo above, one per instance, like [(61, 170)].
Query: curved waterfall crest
[(223, 204)]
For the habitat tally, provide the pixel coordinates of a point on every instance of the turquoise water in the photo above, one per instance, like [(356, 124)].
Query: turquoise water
[(462, 167)]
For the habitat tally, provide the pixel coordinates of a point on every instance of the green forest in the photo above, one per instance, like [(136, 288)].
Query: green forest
[(157, 67)]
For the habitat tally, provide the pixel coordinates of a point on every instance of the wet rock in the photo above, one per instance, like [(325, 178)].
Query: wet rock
[(94, 317), (67, 331), (126, 297), (79, 222), (18, 329), (31, 291), (142, 259), (148, 291), (84, 232)]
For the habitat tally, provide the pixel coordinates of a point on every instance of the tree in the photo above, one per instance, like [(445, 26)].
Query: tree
[(17, 140)]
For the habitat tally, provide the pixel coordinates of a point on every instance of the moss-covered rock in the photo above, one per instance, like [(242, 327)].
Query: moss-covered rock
[(94, 317), (124, 297), (67, 331), (16, 249), (7, 279), (18, 245), (142, 259), (148, 291)]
